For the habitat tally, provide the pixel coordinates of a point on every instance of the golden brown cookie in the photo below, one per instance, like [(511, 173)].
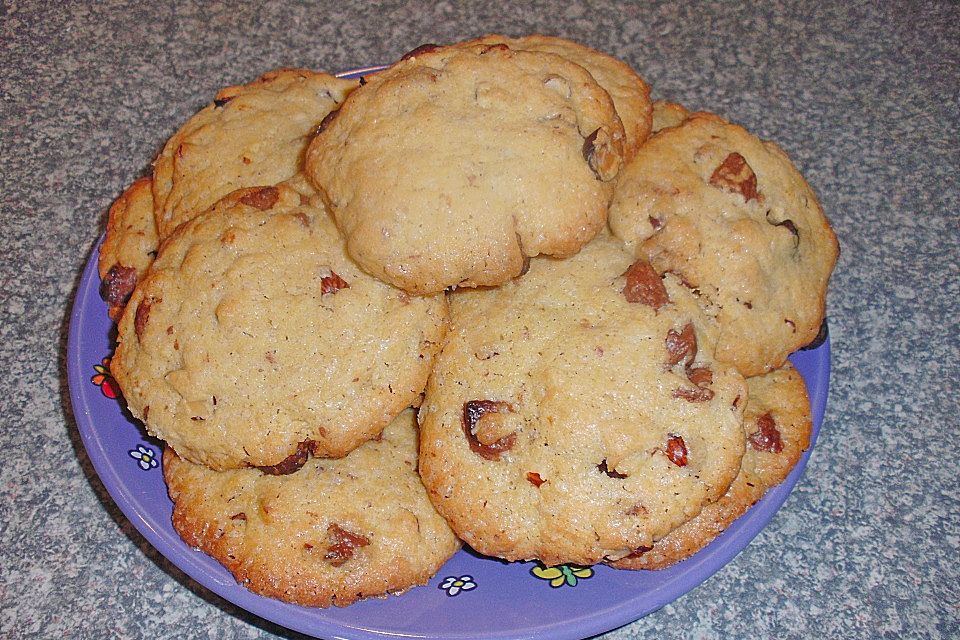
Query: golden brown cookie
[(129, 246), (732, 218), (454, 165), (250, 135), (332, 533), (630, 94), (777, 424), (667, 114), (570, 417), (254, 339)]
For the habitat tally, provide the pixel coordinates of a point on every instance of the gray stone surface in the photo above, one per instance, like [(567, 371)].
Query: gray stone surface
[(863, 95)]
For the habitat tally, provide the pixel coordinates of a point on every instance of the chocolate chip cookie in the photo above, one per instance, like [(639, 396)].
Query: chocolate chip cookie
[(255, 341), (129, 246), (630, 94), (570, 416), (456, 164), (250, 135), (732, 217), (332, 533), (667, 114), (777, 424)]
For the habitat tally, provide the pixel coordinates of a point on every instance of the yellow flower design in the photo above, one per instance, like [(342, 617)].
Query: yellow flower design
[(562, 574)]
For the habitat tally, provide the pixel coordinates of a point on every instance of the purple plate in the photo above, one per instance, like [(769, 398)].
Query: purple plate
[(457, 603), (471, 596)]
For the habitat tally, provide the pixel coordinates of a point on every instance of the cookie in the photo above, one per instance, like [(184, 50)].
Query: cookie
[(570, 418), (254, 340), (456, 164), (777, 424), (332, 533), (667, 114), (129, 246), (629, 92), (250, 135), (734, 219)]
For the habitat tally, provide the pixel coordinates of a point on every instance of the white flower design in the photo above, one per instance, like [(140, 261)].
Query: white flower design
[(144, 456), (454, 585)]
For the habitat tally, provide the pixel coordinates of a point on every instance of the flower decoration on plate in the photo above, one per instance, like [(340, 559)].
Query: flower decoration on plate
[(454, 585), (104, 379), (145, 457), (563, 574)]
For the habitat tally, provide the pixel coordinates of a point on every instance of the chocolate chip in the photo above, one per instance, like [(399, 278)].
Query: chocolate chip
[(736, 176), (525, 268), (644, 285), (767, 436), (220, 102), (789, 225), (639, 551), (342, 544), (697, 394), (262, 198), (588, 149), (495, 47), (792, 228), (424, 48), (291, 463), (599, 153), (822, 336), (141, 318), (118, 285), (700, 376), (677, 450), (473, 411), (363, 81), (613, 473), (332, 283), (681, 346), (327, 119), (656, 223)]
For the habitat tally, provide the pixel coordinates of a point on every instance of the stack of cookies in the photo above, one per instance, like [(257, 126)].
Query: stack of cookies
[(593, 321)]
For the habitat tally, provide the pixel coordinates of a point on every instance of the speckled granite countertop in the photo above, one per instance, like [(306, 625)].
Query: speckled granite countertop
[(865, 99)]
